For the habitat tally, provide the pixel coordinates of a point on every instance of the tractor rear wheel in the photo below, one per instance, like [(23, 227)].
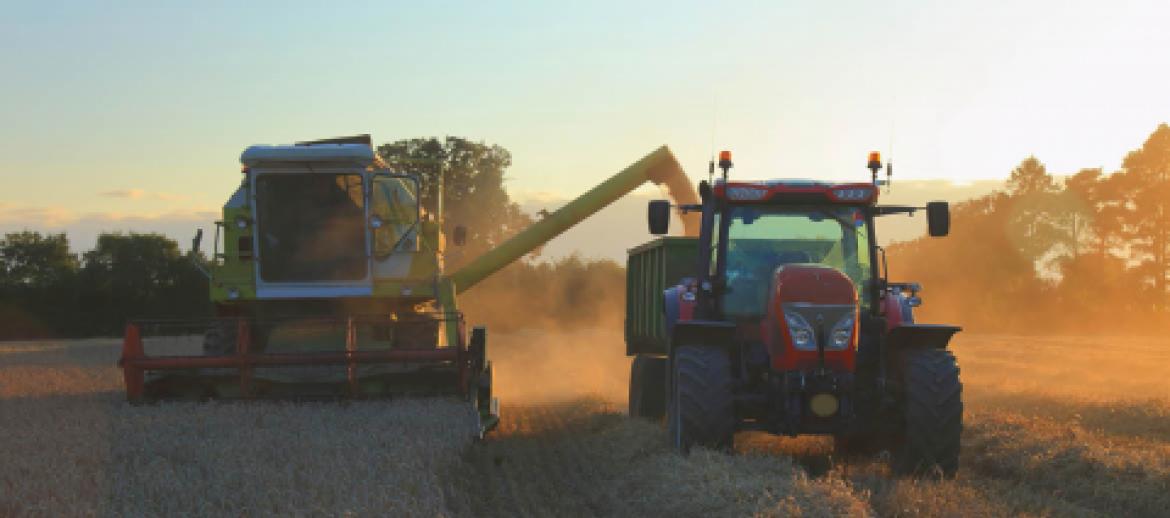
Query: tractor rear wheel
[(648, 387), (933, 415), (220, 338), (701, 410)]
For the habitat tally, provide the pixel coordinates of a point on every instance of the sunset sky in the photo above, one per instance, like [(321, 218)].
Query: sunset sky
[(132, 115)]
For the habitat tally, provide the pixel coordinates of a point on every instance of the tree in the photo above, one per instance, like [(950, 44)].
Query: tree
[(1034, 225), (1143, 186), (37, 285), (32, 260), (473, 186), (139, 275), (1031, 177)]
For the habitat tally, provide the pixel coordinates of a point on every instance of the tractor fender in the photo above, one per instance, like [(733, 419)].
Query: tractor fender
[(712, 333), (921, 336)]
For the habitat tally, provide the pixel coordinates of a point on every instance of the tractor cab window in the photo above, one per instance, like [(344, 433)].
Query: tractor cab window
[(394, 214), (761, 239)]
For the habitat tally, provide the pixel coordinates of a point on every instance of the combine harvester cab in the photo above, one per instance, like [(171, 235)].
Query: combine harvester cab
[(330, 283), (778, 317)]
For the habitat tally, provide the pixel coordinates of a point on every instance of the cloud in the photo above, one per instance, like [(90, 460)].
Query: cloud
[(139, 194), (84, 227), (132, 194)]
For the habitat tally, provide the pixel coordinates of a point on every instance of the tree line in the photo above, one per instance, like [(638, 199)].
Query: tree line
[(1083, 253), (48, 291)]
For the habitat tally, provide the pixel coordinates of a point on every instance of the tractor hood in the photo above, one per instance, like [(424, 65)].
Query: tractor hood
[(811, 307)]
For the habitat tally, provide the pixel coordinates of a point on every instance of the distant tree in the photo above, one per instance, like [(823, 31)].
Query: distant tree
[(38, 293), (1035, 223), (34, 260), (1031, 177), (473, 186), (1143, 186), (139, 275)]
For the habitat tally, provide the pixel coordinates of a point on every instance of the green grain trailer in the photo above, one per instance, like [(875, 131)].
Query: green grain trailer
[(651, 268)]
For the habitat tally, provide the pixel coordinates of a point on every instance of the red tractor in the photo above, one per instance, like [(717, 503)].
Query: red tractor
[(779, 318)]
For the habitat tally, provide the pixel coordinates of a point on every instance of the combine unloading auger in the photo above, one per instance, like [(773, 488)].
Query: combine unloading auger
[(330, 284)]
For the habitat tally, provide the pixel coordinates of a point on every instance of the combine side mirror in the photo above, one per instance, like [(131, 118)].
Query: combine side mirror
[(195, 242), (459, 235), (938, 218), (658, 215)]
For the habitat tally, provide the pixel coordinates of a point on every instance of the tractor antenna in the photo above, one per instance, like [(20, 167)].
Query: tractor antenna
[(714, 128), (890, 160)]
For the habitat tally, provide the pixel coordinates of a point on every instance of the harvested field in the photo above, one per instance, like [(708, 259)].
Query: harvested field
[(71, 446), (1055, 427)]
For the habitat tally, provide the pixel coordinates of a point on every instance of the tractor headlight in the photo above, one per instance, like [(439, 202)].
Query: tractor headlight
[(842, 334), (801, 332)]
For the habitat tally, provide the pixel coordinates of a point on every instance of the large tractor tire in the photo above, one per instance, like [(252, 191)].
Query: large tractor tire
[(220, 338), (648, 387), (933, 415), (701, 410)]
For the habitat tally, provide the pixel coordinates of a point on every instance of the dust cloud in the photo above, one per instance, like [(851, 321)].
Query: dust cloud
[(559, 366)]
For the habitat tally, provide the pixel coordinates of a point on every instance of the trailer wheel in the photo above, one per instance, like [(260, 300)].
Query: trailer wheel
[(220, 338), (701, 406), (648, 387), (933, 415)]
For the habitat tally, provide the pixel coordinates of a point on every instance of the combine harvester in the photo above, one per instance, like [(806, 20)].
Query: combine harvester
[(779, 317), (330, 283)]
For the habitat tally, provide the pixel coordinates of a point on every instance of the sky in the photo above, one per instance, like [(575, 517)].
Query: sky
[(132, 115)]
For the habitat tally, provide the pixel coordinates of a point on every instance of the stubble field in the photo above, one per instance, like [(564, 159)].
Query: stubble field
[(1055, 426)]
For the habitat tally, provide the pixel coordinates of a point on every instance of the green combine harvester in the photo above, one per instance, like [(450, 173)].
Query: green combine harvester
[(330, 283)]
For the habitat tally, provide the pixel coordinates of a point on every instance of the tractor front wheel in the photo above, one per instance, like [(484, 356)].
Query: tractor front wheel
[(648, 387), (933, 414), (701, 410)]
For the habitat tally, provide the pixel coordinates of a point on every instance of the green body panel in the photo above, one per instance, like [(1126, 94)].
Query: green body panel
[(650, 269), (228, 270), (659, 167)]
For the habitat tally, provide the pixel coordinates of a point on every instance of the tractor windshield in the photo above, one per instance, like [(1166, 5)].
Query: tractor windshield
[(762, 238)]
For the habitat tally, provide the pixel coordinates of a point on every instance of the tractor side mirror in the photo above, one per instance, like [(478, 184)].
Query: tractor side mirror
[(938, 218), (459, 235), (658, 215)]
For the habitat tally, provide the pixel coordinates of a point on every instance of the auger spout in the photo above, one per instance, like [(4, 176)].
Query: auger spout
[(659, 167)]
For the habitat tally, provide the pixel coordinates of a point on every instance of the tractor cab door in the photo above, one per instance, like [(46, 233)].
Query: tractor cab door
[(394, 224)]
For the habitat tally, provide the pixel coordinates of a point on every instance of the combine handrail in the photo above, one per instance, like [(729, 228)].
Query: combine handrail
[(660, 167)]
